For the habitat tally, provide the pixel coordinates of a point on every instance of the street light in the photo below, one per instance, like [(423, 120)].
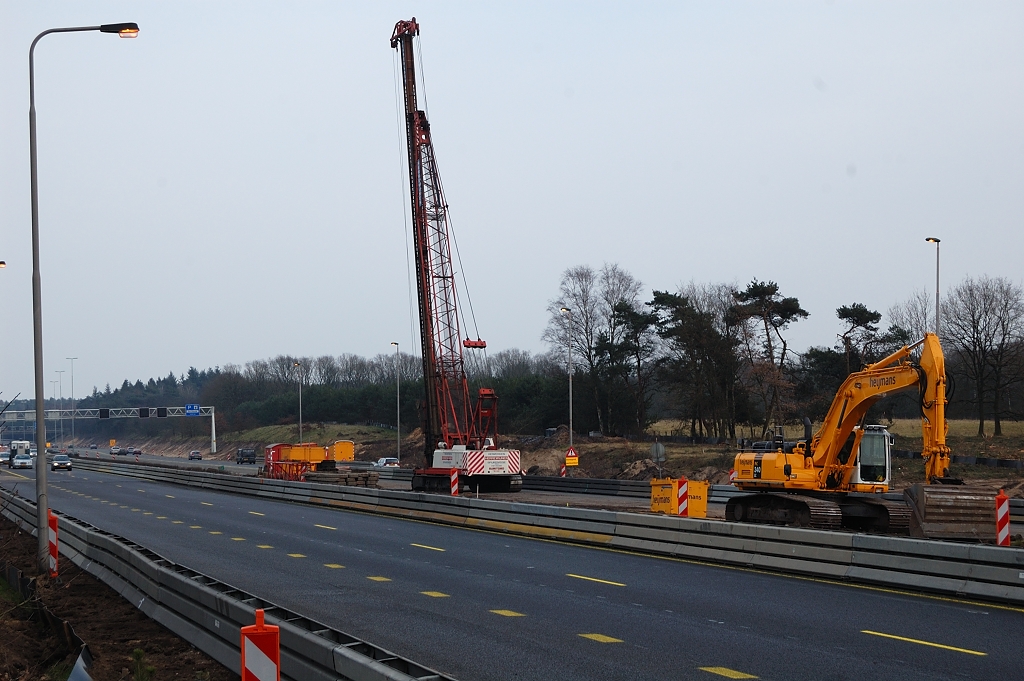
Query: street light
[(125, 30), (398, 406), (60, 407), (72, 399), (936, 240), (299, 366), (53, 393), (568, 312)]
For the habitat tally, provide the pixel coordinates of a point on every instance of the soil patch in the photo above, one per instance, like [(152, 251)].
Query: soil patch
[(108, 624)]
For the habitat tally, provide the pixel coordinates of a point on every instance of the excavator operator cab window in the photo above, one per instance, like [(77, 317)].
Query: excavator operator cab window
[(873, 457)]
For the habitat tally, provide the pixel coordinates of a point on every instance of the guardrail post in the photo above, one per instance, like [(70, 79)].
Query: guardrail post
[(52, 521), (1002, 519), (261, 651)]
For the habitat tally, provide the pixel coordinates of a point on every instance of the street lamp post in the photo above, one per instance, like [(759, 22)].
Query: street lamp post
[(298, 365), (72, 399), (53, 396), (125, 30), (398, 405), (568, 312), (936, 240), (60, 406)]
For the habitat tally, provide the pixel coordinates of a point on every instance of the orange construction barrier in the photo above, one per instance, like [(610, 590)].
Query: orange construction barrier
[(261, 651)]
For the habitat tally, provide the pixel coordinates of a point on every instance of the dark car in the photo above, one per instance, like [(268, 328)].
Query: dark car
[(195, 454), (61, 461), (245, 455), (92, 446)]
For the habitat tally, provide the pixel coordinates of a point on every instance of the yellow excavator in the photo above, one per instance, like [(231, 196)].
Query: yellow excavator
[(837, 477)]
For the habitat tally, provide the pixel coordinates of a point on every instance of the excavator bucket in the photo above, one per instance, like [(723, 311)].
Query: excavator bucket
[(955, 512)]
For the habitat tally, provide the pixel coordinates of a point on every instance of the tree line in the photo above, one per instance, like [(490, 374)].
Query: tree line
[(715, 357)]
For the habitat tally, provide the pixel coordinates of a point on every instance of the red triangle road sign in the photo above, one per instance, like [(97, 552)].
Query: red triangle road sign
[(571, 452)]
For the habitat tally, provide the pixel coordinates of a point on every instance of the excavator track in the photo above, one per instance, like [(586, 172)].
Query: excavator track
[(871, 513), (793, 510)]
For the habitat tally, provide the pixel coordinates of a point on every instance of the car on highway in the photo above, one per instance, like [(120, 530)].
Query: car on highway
[(92, 446), (115, 450), (131, 450), (61, 461), (195, 454), (5, 456), (386, 462), (22, 461)]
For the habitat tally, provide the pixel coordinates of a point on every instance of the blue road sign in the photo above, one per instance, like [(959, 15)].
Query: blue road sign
[(191, 410)]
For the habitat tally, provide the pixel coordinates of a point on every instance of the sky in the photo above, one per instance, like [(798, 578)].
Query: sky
[(229, 186)]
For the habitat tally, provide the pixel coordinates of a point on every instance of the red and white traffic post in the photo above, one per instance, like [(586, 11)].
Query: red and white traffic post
[(455, 482), (561, 473), (52, 521), (1002, 519), (683, 498), (261, 651)]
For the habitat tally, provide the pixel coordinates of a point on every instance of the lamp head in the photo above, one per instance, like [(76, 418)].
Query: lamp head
[(933, 240), (3, 264), (395, 344), (565, 309), (125, 30)]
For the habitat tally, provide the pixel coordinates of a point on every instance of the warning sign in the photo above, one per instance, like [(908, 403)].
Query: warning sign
[(113, 442), (571, 458)]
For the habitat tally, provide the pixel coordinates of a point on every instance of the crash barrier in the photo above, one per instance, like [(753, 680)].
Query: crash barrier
[(974, 570), (210, 614), (25, 587), (992, 462)]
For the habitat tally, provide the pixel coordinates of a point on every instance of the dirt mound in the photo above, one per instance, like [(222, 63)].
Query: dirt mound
[(644, 469), (716, 476)]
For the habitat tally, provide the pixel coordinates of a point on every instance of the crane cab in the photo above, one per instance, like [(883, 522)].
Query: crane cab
[(872, 471)]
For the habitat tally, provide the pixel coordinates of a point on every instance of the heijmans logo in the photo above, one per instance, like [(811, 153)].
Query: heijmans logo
[(882, 382)]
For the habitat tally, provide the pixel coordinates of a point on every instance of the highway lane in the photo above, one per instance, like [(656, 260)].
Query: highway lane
[(481, 605)]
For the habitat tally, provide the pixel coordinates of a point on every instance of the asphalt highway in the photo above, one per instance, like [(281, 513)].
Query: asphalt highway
[(481, 605)]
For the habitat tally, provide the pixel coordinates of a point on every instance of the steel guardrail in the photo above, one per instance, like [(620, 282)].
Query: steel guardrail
[(209, 613), (958, 569)]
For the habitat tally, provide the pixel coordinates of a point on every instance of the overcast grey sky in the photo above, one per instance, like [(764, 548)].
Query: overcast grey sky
[(227, 187)]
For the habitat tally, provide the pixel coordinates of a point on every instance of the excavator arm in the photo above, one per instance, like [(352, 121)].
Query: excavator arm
[(894, 374)]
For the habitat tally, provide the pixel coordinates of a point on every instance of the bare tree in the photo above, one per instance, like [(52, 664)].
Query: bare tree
[(1008, 343), (915, 315), (325, 371), (969, 322)]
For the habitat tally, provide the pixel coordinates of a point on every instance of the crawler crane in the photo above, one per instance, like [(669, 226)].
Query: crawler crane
[(461, 435), (838, 476)]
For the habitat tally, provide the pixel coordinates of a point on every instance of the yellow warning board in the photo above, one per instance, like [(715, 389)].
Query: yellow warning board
[(571, 458), (113, 442)]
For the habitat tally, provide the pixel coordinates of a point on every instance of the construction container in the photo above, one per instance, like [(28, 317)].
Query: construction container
[(307, 451), (666, 498), (342, 450)]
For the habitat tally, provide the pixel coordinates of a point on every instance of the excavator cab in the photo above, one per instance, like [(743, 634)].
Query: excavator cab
[(874, 459)]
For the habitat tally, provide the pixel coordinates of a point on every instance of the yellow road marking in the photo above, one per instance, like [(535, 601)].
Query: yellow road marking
[(297, 555), (17, 475), (124, 507), (924, 643), (135, 510), (726, 672), (508, 613), (205, 503), (434, 594), (595, 579), (424, 546), (138, 490), (601, 638), (195, 527), (147, 513), (255, 513), (168, 496), (264, 546), (216, 532), (161, 517), (177, 522), (379, 579), (324, 527), (333, 566), (238, 539)]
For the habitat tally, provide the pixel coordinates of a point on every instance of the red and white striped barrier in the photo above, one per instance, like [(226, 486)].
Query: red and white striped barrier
[(52, 521), (1002, 519), (455, 482), (732, 475), (683, 498), (261, 651), (136, 458), (561, 473)]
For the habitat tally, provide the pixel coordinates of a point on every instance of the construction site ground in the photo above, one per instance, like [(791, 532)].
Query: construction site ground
[(110, 626)]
